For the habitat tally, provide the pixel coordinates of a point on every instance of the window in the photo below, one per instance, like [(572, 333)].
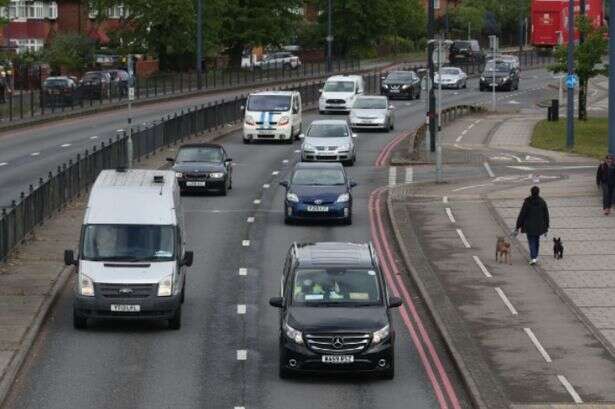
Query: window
[(436, 4), (52, 10), (117, 11), (333, 286), (25, 9), (28, 44)]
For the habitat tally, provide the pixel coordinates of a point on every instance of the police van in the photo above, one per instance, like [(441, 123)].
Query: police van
[(272, 115), (131, 262)]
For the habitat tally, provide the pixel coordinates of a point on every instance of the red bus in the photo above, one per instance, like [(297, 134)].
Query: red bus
[(550, 20)]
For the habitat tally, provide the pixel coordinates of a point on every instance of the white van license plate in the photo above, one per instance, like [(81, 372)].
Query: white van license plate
[(125, 308), (195, 184), (337, 359)]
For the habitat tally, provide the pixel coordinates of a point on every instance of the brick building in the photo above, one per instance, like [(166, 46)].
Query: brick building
[(441, 6)]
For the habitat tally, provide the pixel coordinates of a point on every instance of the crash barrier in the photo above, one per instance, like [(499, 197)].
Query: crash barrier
[(53, 192)]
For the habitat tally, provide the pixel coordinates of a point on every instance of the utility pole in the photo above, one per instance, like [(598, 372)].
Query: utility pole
[(570, 107), (493, 42), (582, 83), (431, 117), (520, 4), (131, 97), (438, 145), (329, 37), (612, 77), (199, 44)]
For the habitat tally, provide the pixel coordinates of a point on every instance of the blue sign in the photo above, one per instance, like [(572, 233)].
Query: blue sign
[(571, 81)]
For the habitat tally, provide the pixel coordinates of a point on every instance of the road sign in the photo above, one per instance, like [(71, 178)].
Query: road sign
[(571, 81), (131, 94)]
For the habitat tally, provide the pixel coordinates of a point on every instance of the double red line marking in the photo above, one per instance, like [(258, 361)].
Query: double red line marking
[(385, 153), (443, 388)]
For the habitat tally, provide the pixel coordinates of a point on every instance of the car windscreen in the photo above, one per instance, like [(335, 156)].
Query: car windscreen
[(461, 45), (199, 154), (318, 177), (450, 71), (55, 83), (500, 66), (370, 103), (276, 103), (327, 131), (319, 287), (339, 86), (128, 242), (400, 76)]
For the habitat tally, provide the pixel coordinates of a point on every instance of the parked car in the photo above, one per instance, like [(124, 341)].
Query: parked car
[(335, 311), (59, 91), (278, 60), (119, 82), (95, 85), (339, 93), (401, 84), (466, 51), (452, 77), (329, 141), (372, 112), (203, 167), (318, 191), (501, 74)]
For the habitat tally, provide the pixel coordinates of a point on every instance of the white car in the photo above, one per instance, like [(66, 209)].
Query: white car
[(329, 141), (372, 112), (273, 116), (339, 93), (452, 77)]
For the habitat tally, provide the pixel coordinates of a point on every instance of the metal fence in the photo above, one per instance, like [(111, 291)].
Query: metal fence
[(53, 192)]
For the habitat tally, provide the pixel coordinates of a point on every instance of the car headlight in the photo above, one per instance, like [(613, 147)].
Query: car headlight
[(343, 147), (343, 198), (291, 197), (307, 147), (165, 286), (86, 285), (505, 79), (179, 175), (249, 120), (283, 120), (405, 86), (381, 334), (293, 334), (482, 78), (385, 86), (216, 175)]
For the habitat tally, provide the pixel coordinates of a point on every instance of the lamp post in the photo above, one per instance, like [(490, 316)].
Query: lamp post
[(431, 117), (329, 37), (199, 44), (570, 107)]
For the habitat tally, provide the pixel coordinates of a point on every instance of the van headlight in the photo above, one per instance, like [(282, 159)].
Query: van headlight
[(249, 120), (291, 197), (343, 198), (293, 334), (86, 285), (216, 175), (165, 286), (283, 120), (179, 175), (380, 335)]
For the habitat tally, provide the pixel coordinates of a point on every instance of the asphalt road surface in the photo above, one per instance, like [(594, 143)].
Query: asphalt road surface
[(145, 365)]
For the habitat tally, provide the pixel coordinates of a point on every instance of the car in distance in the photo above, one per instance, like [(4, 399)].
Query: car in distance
[(272, 115), (329, 141), (318, 191), (500, 74), (339, 93), (119, 82), (401, 84), (466, 52), (335, 311), (203, 167), (95, 85), (59, 91), (372, 112), (279, 60), (452, 77)]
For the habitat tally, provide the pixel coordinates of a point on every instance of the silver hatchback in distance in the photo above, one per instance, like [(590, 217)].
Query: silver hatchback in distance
[(372, 112), (329, 140)]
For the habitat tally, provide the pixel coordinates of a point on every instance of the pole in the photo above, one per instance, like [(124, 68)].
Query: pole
[(469, 26), (494, 48), (432, 97), (199, 44), (582, 84), (570, 107), (131, 96), (439, 84), (612, 77), (521, 28), (329, 37)]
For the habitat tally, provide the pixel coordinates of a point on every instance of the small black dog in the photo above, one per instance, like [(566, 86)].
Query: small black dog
[(558, 248)]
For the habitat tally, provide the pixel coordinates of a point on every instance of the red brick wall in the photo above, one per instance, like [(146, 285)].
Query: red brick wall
[(146, 68), (72, 17)]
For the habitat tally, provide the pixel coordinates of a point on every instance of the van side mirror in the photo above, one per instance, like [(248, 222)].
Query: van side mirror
[(391, 107), (353, 184), (301, 136), (320, 90), (277, 302), (69, 258), (228, 160), (395, 302), (284, 183), (354, 135), (171, 160), (188, 259)]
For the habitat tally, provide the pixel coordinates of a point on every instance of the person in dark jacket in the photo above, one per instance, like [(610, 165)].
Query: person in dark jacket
[(605, 179), (533, 220)]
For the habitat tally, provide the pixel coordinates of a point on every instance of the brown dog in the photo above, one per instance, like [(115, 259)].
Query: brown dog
[(502, 251)]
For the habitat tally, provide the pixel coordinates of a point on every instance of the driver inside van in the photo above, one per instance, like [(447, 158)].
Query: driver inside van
[(317, 285)]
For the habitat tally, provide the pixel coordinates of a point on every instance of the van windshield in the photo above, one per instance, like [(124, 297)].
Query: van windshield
[(128, 242), (277, 103), (339, 86), (336, 286)]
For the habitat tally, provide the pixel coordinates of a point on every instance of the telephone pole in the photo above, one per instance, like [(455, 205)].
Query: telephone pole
[(199, 44), (570, 107), (329, 37), (431, 116)]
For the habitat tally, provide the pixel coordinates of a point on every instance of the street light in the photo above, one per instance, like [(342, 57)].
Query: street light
[(329, 38), (570, 107), (199, 44)]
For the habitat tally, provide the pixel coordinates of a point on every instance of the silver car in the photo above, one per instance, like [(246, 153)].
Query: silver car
[(372, 112), (452, 77), (329, 141)]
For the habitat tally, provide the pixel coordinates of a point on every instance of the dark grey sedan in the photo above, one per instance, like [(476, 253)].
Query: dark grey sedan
[(203, 167)]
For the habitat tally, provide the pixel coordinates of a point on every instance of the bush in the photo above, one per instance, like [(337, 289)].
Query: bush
[(74, 52)]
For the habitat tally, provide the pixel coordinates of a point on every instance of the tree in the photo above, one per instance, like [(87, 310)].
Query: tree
[(71, 51), (587, 58)]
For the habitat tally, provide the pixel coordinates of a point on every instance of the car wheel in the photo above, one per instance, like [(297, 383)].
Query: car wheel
[(183, 295), (284, 373), (289, 140), (246, 141), (392, 125), (299, 133), (348, 220), (175, 323), (389, 373), (79, 322), (465, 84), (224, 189), (418, 96)]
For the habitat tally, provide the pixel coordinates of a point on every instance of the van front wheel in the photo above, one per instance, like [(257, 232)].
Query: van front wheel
[(175, 323), (79, 322)]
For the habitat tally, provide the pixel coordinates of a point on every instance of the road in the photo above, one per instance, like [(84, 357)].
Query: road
[(144, 365)]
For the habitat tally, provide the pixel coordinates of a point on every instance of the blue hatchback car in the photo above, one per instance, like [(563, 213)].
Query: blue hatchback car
[(318, 191)]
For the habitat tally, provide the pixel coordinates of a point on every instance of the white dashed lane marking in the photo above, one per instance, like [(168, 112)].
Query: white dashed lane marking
[(245, 243), (392, 176), (462, 236), (35, 154), (266, 186), (257, 201), (242, 354), (243, 271), (66, 145), (285, 161), (3, 164), (241, 309), (482, 267), (275, 172), (449, 213), (537, 344), (489, 170), (506, 301), (445, 199), (250, 219), (94, 137), (409, 174), (569, 388)]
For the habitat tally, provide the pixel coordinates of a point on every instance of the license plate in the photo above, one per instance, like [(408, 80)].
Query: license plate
[(317, 209), (196, 184), (394, 91), (125, 308), (337, 359)]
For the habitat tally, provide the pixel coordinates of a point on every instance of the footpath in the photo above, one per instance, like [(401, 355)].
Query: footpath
[(523, 337)]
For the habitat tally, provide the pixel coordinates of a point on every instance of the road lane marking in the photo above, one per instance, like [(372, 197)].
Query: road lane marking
[(250, 219), (243, 271), (66, 145), (575, 396), (242, 354), (35, 154), (239, 407), (462, 236), (266, 186), (537, 344), (445, 199), (245, 243), (459, 138), (275, 173), (392, 176), (471, 126), (489, 170), (285, 161), (297, 150), (449, 213), (409, 174), (3, 164), (94, 137), (464, 133), (468, 187), (506, 301), (482, 267), (241, 309), (257, 201)]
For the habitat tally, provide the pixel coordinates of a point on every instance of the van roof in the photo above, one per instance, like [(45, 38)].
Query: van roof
[(132, 197), (345, 78), (286, 93)]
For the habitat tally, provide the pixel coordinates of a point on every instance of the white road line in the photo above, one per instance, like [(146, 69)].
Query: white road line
[(489, 170), (297, 150), (462, 236), (392, 176), (468, 187), (537, 344), (119, 130), (512, 309), (575, 396), (3, 164), (465, 132), (250, 219), (459, 138), (239, 407), (243, 271), (66, 145), (409, 174), (242, 354), (477, 121), (275, 172), (445, 199), (266, 186), (471, 126), (241, 309), (257, 201), (482, 267), (449, 213), (94, 137), (245, 243), (285, 161), (35, 154)]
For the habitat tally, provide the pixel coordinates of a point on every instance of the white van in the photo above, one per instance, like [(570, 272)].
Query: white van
[(131, 262), (272, 115), (339, 93)]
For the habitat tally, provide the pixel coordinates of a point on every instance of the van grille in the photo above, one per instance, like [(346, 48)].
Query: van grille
[(338, 343), (125, 290), (336, 101)]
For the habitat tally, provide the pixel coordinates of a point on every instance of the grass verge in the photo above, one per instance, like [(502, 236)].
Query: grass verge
[(591, 136)]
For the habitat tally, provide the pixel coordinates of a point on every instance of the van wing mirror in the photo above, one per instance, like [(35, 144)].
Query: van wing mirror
[(277, 302), (353, 184), (284, 183), (395, 302), (301, 136), (171, 160), (188, 259), (69, 258)]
